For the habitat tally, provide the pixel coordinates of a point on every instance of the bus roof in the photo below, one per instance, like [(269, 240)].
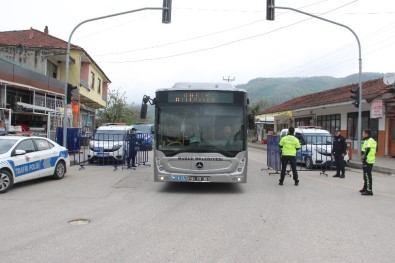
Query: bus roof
[(222, 86)]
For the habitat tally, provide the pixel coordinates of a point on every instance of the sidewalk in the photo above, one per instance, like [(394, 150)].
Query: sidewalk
[(384, 164)]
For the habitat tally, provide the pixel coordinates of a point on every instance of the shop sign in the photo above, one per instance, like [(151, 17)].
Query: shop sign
[(376, 110)]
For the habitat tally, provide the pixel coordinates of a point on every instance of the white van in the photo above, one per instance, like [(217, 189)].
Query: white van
[(315, 147), (107, 144)]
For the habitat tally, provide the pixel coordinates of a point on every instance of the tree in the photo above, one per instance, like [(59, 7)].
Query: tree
[(117, 110), (260, 105)]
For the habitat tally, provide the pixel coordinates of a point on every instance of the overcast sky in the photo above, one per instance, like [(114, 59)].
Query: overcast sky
[(211, 39)]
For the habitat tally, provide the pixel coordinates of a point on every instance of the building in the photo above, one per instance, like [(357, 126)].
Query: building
[(333, 108), (31, 61)]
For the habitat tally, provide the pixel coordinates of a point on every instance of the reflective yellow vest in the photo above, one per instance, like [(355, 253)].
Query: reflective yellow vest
[(289, 145), (372, 144)]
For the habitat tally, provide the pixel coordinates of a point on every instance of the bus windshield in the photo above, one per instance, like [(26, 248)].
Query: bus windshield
[(201, 128)]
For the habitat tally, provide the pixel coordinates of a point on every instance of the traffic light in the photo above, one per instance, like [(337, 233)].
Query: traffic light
[(270, 10), (166, 13), (70, 90), (355, 97)]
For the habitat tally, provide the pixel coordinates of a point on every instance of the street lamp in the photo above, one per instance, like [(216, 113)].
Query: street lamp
[(166, 19), (270, 7)]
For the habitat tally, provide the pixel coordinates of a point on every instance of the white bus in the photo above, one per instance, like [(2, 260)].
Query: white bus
[(200, 133)]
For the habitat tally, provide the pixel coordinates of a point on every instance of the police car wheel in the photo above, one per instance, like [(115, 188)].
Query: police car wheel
[(60, 171), (6, 181), (309, 163)]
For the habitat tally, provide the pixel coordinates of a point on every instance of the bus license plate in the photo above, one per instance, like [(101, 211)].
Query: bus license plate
[(199, 178), (179, 178)]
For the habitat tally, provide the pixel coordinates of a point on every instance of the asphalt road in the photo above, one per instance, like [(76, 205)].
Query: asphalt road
[(133, 219)]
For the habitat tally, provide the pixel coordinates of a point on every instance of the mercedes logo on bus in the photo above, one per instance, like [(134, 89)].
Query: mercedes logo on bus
[(199, 165)]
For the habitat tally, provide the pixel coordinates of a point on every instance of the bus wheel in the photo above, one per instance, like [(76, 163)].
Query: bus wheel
[(6, 181), (309, 163)]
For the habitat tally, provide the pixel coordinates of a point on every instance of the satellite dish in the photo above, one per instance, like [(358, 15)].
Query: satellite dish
[(389, 78)]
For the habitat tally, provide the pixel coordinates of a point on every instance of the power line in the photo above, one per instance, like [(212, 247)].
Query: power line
[(198, 37), (224, 44), (367, 49), (118, 25)]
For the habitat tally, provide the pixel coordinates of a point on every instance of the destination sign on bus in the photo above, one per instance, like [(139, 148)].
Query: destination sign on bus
[(200, 97)]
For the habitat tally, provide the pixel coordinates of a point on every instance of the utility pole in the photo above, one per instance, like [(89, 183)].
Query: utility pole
[(228, 79), (166, 19), (270, 7)]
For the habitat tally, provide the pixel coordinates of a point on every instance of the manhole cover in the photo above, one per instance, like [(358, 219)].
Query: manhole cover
[(79, 221)]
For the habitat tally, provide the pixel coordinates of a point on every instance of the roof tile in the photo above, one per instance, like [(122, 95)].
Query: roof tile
[(370, 90), (32, 38)]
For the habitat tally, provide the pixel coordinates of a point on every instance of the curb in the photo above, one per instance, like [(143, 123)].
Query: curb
[(378, 169)]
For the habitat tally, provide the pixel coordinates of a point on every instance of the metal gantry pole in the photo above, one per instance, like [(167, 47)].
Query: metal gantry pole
[(68, 58), (359, 129)]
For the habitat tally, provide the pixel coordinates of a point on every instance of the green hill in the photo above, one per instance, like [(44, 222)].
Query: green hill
[(278, 90)]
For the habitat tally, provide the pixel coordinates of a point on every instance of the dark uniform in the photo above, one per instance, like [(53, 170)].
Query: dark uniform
[(133, 147), (339, 150)]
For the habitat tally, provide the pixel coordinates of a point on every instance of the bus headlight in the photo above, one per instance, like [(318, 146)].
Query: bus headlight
[(241, 165), (158, 164)]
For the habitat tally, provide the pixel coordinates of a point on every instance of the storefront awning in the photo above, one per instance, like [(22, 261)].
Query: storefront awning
[(285, 113)]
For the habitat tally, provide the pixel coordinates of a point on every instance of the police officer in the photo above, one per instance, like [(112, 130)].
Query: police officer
[(132, 148), (339, 150), (368, 159), (289, 144)]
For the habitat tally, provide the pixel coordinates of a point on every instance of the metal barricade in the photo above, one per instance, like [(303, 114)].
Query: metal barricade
[(145, 144), (125, 150), (136, 150), (273, 153), (315, 154), (99, 149)]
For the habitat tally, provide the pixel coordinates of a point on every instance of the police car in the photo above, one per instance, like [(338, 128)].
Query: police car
[(316, 147), (27, 158), (145, 132), (107, 144)]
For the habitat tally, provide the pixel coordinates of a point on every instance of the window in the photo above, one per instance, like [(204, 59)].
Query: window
[(26, 145), (43, 144), (52, 69), (98, 86), (303, 121), (367, 123), (92, 81), (329, 122)]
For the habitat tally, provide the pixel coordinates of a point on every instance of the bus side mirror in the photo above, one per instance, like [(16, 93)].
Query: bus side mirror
[(251, 121), (143, 111)]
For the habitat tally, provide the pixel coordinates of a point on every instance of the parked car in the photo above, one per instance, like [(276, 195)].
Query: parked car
[(146, 132), (315, 147), (108, 144), (27, 158)]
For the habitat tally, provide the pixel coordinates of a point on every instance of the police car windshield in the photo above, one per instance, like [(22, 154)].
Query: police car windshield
[(5, 145), (143, 128), (110, 135), (318, 138)]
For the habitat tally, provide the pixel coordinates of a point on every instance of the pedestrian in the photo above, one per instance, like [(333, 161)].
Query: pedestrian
[(339, 150), (289, 144), (368, 159)]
